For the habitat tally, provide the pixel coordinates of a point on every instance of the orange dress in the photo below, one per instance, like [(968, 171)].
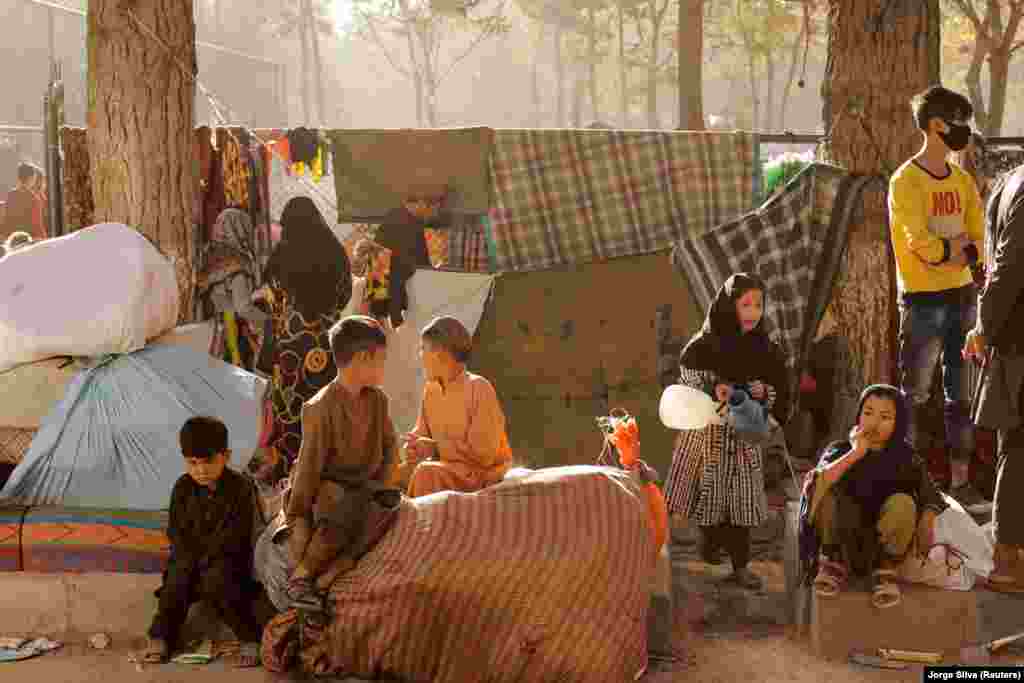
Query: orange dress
[(468, 424)]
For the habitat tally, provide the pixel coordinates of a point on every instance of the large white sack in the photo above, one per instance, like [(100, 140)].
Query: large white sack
[(32, 391), (104, 289)]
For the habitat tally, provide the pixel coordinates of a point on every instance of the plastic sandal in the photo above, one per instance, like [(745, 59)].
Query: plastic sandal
[(831, 578), (886, 592)]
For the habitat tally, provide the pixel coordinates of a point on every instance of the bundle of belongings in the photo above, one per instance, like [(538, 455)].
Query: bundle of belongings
[(103, 379), (543, 577)]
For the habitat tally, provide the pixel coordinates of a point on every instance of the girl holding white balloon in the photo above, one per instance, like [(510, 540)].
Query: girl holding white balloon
[(716, 479)]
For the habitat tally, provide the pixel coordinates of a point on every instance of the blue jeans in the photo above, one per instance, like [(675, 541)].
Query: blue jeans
[(932, 330)]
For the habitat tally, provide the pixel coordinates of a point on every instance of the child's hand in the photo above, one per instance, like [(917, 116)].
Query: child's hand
[(757, 390), (858, 441), (723, 392)]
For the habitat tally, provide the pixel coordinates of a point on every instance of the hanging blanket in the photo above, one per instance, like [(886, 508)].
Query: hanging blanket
[(576, 196), (539, 579), (377, 171), (794, 242)]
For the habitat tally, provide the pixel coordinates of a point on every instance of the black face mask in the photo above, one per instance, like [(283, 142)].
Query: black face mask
[(957, 138)]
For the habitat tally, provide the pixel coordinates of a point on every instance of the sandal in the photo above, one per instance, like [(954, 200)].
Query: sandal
[(248, 656), (304, 594), (886, 592), (831, 578), (156, 652)]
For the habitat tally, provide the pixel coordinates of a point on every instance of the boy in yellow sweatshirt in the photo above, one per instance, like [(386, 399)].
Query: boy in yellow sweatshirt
[(937, 228)]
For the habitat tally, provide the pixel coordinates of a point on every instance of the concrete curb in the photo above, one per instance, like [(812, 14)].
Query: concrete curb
[(73, 607)]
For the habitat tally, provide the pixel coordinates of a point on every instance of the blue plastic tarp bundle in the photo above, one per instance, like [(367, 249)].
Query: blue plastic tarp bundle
[(112, 442)]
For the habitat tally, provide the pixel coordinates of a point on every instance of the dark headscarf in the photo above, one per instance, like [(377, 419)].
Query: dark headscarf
[(879, 475), (866, 485), (309, 262), (721, 346)]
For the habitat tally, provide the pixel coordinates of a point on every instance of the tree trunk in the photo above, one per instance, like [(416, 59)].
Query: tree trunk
[(318, 66), (623, 75), (559, 78), (974, 90), (902, 55), (998, 79), (141, 125), (769, 92), (690, 48)]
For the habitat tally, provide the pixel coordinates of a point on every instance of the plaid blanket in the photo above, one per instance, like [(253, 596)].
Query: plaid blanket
[(541, 579), (576, 196), (794, 241)]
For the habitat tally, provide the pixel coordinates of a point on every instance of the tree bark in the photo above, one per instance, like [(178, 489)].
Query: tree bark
[(872, 131), (690, 49), (998, 79), (141, 125)]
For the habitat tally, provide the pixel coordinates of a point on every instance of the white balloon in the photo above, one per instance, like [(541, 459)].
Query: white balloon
[(684, 407)]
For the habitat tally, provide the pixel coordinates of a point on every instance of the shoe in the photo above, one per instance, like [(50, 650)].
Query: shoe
[(972, 501), (746, 578), (1008, 574)]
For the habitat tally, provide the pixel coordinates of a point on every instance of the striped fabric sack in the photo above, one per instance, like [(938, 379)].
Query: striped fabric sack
[(541, 578)]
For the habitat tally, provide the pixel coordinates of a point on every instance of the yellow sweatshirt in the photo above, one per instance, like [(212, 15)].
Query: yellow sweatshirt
[(924, 212)]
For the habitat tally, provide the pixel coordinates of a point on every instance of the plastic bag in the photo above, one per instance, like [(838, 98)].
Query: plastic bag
[(961, 553), (684, 407)]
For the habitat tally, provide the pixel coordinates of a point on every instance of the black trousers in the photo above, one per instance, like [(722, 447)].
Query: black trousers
[(224, 586), (735, 540), (1008, 508)]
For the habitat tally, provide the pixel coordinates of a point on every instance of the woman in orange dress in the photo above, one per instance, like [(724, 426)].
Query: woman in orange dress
[(460, 442)]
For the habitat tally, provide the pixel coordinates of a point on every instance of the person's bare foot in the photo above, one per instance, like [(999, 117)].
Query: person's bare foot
[(156, 652)]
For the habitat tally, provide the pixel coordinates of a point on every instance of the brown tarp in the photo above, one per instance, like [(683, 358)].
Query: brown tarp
[(566, 345), (376, 171)]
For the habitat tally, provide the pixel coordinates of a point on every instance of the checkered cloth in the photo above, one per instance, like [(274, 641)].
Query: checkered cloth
[(467, 248), (794, 241), (576, 196)]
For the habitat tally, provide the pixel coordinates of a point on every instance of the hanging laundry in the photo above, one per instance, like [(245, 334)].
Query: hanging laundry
[(235, 170), (304, 144), (376, 171)]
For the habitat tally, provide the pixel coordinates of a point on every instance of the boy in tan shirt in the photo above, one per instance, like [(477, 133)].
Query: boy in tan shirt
[(346, 461), (460, 442)]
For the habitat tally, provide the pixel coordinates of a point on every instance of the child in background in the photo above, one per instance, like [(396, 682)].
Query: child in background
[(717, 479), (210, 528), (346, 462)]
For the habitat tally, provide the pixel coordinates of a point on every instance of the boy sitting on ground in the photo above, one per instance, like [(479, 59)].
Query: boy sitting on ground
[(210, 529), (346, 462)]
